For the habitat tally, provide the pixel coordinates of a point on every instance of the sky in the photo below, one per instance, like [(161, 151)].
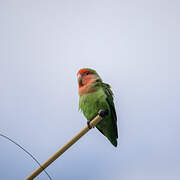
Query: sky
[(132, 44)]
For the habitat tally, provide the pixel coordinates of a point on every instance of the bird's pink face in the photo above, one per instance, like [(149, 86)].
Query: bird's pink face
[(85, 77)]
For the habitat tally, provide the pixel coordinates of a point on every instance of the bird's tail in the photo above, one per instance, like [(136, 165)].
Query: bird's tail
[(113, 141)]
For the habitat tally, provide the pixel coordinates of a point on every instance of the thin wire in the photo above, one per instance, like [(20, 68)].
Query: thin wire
[(26, 153)]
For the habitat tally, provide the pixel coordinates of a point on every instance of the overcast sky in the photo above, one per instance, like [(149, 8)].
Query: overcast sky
[(133, 45)]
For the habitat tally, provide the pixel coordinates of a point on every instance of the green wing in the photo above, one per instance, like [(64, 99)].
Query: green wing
[(109, 99)]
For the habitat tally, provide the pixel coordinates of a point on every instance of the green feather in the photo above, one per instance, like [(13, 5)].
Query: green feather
[(101, 98)]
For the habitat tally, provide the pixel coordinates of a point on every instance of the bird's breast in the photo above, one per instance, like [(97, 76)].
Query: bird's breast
[(91, 103)]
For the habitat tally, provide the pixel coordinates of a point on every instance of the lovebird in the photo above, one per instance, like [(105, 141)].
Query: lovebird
[(95, 95)]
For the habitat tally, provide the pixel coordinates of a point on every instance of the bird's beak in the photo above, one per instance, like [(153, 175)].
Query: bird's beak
[(79, 79)]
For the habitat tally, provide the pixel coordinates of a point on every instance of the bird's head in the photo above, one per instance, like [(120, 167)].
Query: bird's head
[(87, 77)]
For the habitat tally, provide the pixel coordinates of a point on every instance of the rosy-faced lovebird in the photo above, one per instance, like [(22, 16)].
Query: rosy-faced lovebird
[(95, 95)]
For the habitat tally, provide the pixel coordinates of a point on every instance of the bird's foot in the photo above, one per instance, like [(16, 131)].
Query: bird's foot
[(88, 124), (103, 113)]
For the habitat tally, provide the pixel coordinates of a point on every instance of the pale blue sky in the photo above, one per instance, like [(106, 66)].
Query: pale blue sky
[(133, 45)]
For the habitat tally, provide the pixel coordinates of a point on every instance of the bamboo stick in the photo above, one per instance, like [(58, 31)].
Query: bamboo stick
[(93, 123)]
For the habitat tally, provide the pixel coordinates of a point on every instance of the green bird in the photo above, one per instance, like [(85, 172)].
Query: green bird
[(96, 95)]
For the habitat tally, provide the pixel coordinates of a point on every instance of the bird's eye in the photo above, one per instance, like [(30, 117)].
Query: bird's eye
[(86, 73)]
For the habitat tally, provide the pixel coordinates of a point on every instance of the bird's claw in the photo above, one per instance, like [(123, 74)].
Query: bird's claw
[(103, 113), (88, 124)]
